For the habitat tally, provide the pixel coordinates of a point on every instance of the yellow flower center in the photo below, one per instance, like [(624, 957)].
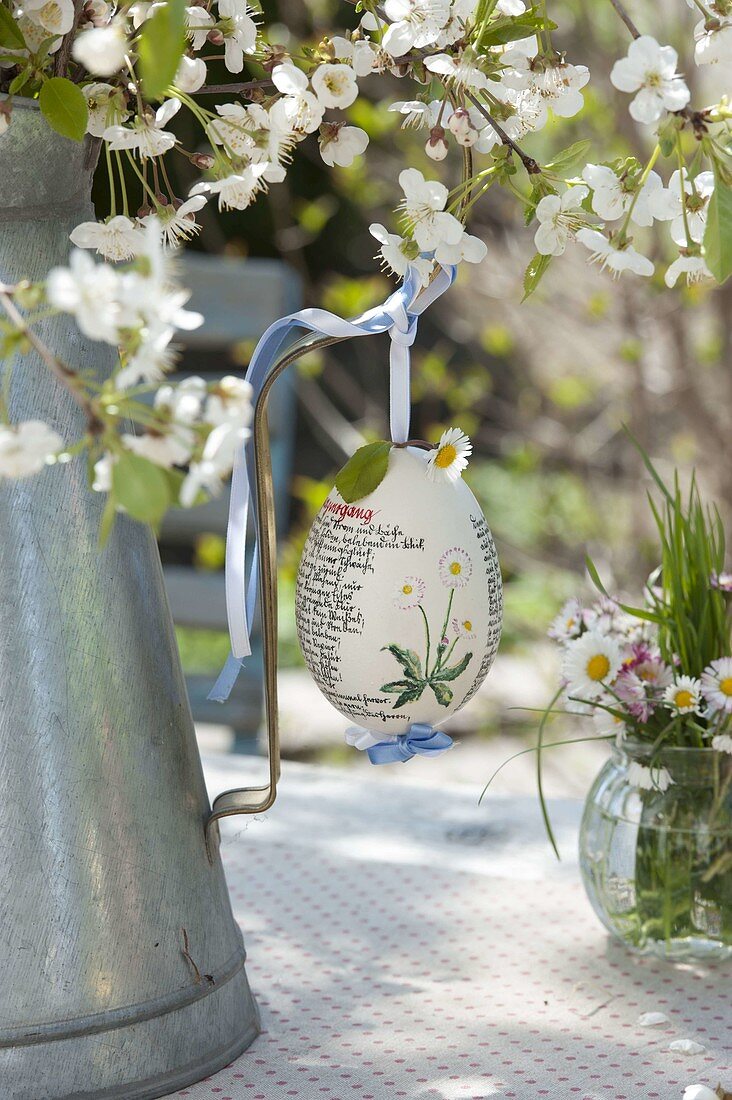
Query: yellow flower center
[(725, 686), (467, 625), (570, 624), (407, 589), (445, 456), (598, 667), (456, 568), (683, 699)]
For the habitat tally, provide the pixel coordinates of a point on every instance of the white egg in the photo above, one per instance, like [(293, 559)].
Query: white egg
[(399, 599)]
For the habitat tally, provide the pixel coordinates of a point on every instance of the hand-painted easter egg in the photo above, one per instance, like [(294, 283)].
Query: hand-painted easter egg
[(399, 599)]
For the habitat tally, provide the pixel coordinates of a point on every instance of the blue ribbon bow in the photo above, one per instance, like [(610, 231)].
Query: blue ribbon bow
[(420, 739)]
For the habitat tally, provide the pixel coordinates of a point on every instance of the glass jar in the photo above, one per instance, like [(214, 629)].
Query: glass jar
[(657, 865)]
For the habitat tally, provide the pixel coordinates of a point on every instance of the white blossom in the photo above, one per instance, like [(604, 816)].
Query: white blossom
[(55, 16), (91, 292), (342, 144), (607, 255), (165, 449), (26, 447), (119, 238), (395, 257), (559, 218), (424, 208), (236, 191), (106, 106), (147, 135), (557, 85), (693, 266), (301, 107), (239, 31), (700, 1092), (178, 219), (611, 198), (713, 42), (415, 114), (102, 482), (216, 462), (666, 205), (191, 74), (335, 85), (102, 50), (650, 70), (198, 23), (469, 249), (459, 71), (229, 402), (413, 24)]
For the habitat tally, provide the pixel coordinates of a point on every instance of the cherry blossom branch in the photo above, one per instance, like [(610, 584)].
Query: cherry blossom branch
[(68, 378), (531, 166), (619, 8), (64, 51), (222, 89)]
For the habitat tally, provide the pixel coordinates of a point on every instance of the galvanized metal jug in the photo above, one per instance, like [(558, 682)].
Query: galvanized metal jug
[(122, 967)]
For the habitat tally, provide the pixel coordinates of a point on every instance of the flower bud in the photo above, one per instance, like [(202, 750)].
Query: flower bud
[(215, 37), (204, 161), (462, 128), (436, 147)]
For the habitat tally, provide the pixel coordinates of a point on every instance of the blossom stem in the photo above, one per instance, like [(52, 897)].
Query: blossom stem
[(641, 184), (68, 378), (110, 173), (142, 179), (684, 212), (123, 185), (620, 9), (233, 89), (427, 634), (704, 10), (531, 166)]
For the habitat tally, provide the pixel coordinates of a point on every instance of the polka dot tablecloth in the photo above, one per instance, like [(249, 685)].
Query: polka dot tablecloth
[(404, 942)]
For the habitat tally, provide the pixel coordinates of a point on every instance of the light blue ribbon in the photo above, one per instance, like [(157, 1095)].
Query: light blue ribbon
[(420, 739), (398, 316)]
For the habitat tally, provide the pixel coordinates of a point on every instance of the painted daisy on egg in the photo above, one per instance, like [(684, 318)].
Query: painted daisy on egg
[(684, 695), (409, 593), (591, 662), (716, 685), (450, 457), (463, 628), (455, 568)]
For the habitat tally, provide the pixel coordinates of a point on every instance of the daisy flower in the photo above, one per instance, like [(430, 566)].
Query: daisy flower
[(648, 779), (463, 628), (721, 581), (450, 457), (683, 696), (590, 662), (605, 723), (716, 685), (568, 623), (409, 593), (722, 743), (455, 568)]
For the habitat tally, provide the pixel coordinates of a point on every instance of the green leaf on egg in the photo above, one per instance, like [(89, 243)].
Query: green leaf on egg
[(364, 471)]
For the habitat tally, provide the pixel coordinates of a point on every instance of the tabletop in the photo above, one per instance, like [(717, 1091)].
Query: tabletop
[(404, 942)]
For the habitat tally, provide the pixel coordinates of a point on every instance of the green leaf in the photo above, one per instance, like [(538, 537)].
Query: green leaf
[(513, 28), (718, 233), (411, 695), (160, 48), (569, 156), (408, 659), (19, 81), (396, 687), (443, 694), (141, 487), (64, 107), (364, 471), (11, 35), (534, 274), (108, 517), (453, 671)]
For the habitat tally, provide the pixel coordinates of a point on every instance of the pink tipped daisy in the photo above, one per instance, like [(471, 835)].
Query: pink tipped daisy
[(684, 696), (464, 628), (455, 568), (409, 593)]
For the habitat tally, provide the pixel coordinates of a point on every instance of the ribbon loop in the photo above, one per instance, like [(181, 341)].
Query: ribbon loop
[(399, 317), (420, 740)]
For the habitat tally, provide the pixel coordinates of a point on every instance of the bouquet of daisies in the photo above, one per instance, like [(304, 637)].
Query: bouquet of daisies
[(658, 674)]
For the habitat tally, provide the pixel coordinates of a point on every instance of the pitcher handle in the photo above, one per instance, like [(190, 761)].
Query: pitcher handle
[(255, 800)]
